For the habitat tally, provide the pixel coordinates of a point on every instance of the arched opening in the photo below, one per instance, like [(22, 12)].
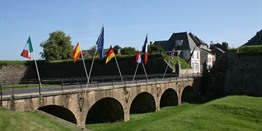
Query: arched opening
[(105, 110), (188, 95), (60, 112), (144, 102), (169, 98)]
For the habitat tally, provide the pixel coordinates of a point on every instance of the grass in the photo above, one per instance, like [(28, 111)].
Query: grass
[(229, 113), (250, 50), (20, 86), (29, 121), (12, 62), (184, 63)]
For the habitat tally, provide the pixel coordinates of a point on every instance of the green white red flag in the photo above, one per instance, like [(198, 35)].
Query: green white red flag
[(28, 49)]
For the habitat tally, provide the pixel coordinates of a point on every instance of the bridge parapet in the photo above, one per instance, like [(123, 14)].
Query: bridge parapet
[(82, 101)]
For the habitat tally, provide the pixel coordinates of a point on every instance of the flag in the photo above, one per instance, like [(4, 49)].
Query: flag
[(110, 54), (188, 60), (100, 43), (76, 53), (138, 57), (28, 49), (145, 50), (172, 53)]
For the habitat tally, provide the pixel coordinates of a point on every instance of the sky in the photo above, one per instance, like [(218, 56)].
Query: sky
[(126, 22)]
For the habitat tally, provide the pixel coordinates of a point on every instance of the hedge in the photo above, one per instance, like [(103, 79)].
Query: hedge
[(250, 50)]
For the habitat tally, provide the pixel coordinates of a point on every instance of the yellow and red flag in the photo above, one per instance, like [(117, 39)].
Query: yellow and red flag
[(110, 54), (76, 53)]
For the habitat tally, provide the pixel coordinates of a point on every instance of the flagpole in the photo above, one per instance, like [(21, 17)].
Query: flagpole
[(119, 69), (166, 69), (145, 70), (135, 73), (87, 77), (92, 66), (39, 80)]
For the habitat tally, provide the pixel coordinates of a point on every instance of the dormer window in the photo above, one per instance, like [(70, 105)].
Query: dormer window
[(179, 42)]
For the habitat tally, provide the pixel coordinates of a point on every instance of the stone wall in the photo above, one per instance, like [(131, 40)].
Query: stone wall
[(235, 74), (13, 72), (244, 75)]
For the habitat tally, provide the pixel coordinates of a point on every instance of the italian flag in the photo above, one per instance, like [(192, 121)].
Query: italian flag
[(28, 49)]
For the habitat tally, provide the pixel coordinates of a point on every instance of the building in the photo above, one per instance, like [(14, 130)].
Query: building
[(256, 40), (206, 55), (117, 50), (187, 46), (219, 49)]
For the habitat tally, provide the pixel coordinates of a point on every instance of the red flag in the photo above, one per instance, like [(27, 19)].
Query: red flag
[(28, 49), (110, 54), (76, 53), (138, 57)]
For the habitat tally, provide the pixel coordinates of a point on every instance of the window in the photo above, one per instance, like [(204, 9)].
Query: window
[(197, 55), (179, 42), (196, 67)]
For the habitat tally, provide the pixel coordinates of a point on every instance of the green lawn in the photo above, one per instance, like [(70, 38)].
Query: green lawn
[(19, 86), (229, 113), (29, 121)]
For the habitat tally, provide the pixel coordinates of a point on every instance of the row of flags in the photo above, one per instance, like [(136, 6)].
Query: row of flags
[(28, 49), (110, 54)]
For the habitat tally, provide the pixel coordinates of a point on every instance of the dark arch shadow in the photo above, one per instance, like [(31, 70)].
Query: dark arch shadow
[(60, 112), (189, 95), (169, 98), (105, 110), (144, 102)]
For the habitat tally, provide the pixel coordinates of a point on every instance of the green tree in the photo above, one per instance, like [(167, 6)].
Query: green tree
[(155, 49), (128, 51), (92, 51), (57, 47)]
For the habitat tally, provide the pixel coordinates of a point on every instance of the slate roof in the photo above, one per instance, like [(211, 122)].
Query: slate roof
[(117, 47), (181, 41), (207, 51), (197, 40), (256, 40)]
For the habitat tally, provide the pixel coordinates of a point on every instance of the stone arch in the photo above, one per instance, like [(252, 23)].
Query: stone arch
[(188, 94), (60, 112), (142, 103), (105, 110), (169, 98)]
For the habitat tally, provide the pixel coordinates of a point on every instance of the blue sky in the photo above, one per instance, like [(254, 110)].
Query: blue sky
[(126, 22)]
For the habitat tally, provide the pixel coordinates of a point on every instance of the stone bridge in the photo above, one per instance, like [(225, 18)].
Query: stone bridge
[(107, 103)]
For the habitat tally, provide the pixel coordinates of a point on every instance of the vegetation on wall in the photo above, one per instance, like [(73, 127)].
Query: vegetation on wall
[(250, 50), (128, 51)]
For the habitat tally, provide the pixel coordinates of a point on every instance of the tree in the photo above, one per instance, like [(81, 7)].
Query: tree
[(92, 50), (57, 47), (155, 49), (128, 51)]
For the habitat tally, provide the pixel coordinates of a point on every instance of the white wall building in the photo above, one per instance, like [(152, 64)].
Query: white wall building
[(187, 43)]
